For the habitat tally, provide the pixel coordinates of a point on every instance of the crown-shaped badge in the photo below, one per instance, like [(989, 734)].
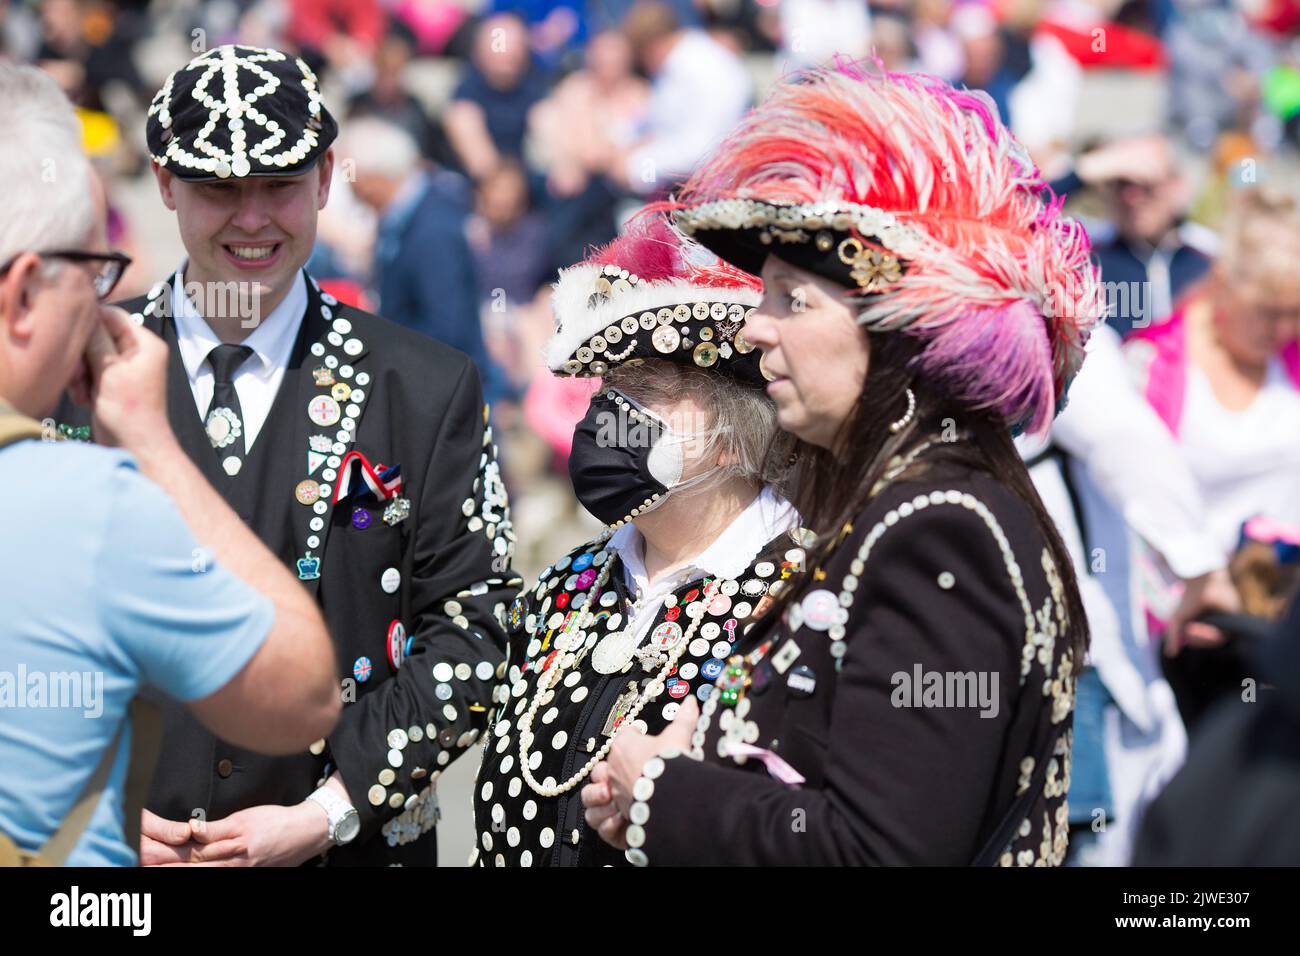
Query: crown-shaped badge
[(308, 567)]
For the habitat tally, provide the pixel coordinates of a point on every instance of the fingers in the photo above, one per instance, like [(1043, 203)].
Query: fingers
[(597, 815), (156, 853), (221, 850), (101, 347), (119, 328), (1197, 634), (214, 831), (613, 831), (687, 714), (678, 734), (596, 794), (171, 832), (600, 773)]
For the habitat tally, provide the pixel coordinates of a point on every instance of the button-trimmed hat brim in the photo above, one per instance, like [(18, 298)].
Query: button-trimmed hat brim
[(198, 176)]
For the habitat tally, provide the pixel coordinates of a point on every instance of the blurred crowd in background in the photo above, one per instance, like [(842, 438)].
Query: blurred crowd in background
[(487, 144)]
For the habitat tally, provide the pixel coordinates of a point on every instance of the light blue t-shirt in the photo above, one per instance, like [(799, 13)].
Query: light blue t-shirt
[(103, 590)]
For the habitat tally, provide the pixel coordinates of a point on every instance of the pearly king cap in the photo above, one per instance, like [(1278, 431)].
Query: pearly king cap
[(652, 293), (238, 111), (915, 197)]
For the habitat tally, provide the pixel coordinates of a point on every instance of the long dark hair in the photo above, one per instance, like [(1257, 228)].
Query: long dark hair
[(832, 487)]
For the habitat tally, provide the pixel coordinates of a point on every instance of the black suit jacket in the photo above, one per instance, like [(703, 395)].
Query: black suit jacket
[(896, 770), (421, 408)]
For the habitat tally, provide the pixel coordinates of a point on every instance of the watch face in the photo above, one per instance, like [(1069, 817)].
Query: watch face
[(348, 827)]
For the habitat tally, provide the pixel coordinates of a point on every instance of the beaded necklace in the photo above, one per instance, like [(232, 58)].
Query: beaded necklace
[(567, 644)]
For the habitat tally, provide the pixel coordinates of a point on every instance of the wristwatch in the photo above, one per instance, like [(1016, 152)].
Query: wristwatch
[(345, 822)]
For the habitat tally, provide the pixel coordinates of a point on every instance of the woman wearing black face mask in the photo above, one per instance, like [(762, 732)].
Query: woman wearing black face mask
[(671, 454)]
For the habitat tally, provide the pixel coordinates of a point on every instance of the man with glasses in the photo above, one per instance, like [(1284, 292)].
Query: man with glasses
[(356, 449), (107, 586), (107, 267), (1151, 254)]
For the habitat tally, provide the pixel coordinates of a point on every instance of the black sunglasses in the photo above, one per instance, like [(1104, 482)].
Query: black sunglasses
[(105, 280)]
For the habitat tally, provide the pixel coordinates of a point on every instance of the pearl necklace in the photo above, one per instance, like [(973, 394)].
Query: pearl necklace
[(551, 677)]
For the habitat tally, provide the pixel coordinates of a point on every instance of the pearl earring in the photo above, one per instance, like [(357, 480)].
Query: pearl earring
[(898, 426)]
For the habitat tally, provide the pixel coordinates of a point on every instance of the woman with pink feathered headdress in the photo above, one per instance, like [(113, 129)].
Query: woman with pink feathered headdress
[(909, 698)]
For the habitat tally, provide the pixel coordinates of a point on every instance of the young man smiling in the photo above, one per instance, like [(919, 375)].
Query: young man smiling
[(356, 449)]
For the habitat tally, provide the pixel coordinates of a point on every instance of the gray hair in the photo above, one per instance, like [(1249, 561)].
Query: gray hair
[(44, 175), (380, 147), (742, 418)]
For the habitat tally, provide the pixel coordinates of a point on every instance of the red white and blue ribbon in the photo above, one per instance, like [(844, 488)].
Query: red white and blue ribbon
[(356, 474)]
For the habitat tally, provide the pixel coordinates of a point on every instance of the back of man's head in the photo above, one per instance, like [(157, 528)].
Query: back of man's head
[(44, 175)]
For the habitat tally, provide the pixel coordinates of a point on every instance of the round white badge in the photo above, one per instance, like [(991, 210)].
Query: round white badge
[(353, 346), (820, 609), (323, 411), (232, 465), (390, 580)]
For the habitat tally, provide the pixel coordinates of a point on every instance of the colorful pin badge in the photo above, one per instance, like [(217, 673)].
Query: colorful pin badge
[(307, 491), (223, 427), (323, 411), (324, 377), (734, 681), (802, 681), (361, 669), (666, 636), (361, 519), (398, 510), (308, 567), (517, 613), (396, 644), (820, 609)]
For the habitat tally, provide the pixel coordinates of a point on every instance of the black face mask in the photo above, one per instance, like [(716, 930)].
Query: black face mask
[(610, 464)]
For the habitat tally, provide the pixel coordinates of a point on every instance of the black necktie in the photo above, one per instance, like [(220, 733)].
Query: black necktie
[(225, 420)]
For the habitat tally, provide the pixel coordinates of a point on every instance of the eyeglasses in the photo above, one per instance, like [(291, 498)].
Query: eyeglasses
[(113, 265)]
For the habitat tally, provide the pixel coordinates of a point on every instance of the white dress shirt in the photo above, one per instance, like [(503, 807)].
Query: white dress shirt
[(1246, 462), (701, 92), (767, 516), (256, 381)]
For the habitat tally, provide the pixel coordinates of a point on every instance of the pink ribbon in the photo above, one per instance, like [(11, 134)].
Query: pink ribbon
[(777, 767), (1267, 530)]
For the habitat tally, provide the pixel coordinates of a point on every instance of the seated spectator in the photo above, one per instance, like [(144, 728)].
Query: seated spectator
[(509, 242), (580, 129), (388, 98), (555, 28), (108, 587), (1151, 256), (338, 36), (437, 25), (590, 114), (86, 48), (700, 91), (488, 114), (1223, 373)]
